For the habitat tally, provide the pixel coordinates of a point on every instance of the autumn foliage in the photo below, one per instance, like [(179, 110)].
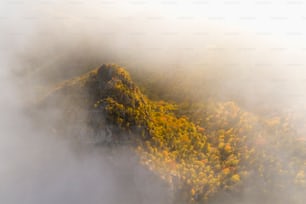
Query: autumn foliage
[(201, 148)]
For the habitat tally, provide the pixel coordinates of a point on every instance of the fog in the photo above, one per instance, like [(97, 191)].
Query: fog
[(251, 51)]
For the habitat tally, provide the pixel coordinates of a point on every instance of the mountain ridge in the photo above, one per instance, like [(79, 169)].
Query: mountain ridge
[(200, 150)]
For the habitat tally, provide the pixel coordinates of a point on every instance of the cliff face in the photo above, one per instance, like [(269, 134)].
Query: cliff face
[(200, 150)]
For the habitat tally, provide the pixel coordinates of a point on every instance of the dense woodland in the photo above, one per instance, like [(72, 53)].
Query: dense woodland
[(201, 148)]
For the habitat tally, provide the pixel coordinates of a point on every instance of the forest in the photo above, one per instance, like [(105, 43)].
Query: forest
[(203, 149)]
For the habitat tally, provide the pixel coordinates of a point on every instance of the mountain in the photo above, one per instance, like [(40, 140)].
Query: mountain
[(203, 150)]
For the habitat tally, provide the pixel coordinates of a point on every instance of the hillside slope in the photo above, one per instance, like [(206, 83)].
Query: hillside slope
[(203, 150)]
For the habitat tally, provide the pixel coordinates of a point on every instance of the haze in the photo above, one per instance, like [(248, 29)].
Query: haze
[(251, 50)]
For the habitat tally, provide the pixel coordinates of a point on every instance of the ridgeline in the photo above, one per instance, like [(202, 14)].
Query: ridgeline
[(203, 150)]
